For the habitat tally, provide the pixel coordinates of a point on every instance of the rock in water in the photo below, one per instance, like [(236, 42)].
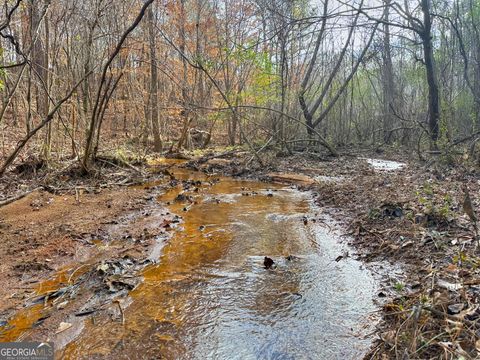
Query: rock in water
[(268, 263)]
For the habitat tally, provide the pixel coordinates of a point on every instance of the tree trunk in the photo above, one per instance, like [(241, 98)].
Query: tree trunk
[(388, 80), (157, 142), (45, 98), (433, 93), (183, 43), (40, 68), (476, 86)]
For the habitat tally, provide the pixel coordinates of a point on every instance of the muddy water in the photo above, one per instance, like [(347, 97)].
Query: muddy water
[(20, 325), (209, 296)]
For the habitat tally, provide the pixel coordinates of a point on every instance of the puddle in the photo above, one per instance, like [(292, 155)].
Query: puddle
[(208, 294), (385, 165), (166, 161)]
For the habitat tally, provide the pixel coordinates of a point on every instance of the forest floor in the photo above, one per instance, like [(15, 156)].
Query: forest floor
[(411, 216)]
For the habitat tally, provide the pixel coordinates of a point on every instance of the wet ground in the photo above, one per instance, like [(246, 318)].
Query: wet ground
[(208, 294), (43, 234)]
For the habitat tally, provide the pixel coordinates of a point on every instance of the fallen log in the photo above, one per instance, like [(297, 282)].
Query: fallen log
[(207, 158), (288, 178)]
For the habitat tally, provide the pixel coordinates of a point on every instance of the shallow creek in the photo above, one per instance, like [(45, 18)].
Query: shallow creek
[(208, 296)]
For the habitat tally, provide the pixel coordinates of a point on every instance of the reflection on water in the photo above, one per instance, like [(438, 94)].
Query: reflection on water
[(209, 296)]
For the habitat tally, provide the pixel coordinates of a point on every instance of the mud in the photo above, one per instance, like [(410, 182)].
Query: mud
[(49, 241)]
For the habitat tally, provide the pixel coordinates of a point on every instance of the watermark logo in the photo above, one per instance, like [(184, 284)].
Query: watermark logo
[(26, 351)]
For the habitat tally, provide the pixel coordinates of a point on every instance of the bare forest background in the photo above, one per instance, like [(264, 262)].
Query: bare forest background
[(79, 78)]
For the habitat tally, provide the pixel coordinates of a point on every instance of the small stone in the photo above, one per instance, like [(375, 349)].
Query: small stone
[(455, 309), (268, 263), (63, 326)]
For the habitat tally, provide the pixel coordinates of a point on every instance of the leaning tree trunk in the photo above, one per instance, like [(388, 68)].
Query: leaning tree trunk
[(104, 92)]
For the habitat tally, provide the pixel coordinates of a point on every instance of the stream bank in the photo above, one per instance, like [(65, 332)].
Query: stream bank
[(205, 292)]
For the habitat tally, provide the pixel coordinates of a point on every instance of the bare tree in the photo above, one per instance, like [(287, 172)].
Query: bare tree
[(321, 105), (389, 107), (104, 92)]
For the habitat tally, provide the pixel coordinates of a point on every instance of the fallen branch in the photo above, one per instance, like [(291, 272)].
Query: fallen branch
[(122, 313), (122, 162), (205, 158), (18, 197)]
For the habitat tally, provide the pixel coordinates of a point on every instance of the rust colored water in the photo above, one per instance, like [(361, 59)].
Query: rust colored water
[(209, 296), (20, 325)]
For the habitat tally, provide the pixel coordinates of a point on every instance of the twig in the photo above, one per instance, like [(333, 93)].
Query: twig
[(124, 163), (121, 310), (205, 158), (260, 150), (74, 272)]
